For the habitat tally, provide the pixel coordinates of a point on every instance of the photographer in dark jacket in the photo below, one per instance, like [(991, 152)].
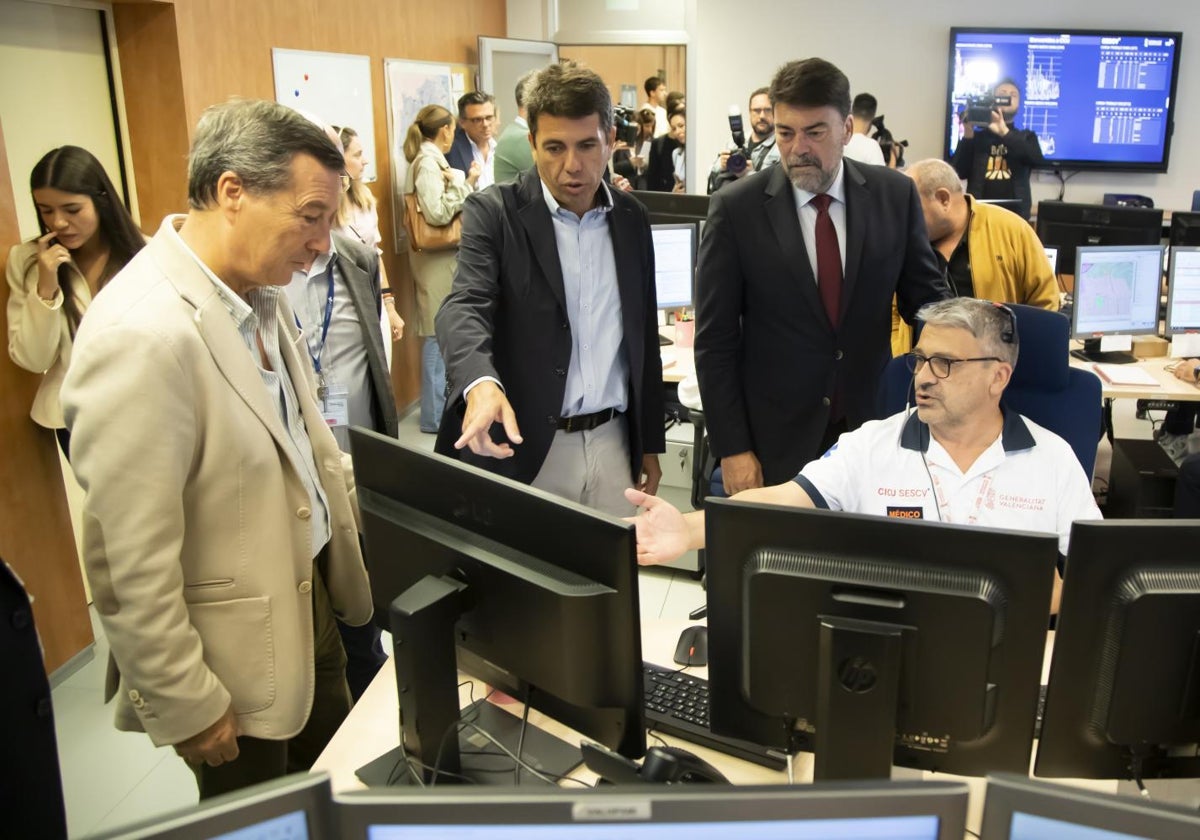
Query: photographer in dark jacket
[(996, 159), (759, 151)]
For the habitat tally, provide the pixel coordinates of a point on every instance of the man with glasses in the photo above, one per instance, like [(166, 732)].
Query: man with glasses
[(759, 152), (474, 140), (957, 456)]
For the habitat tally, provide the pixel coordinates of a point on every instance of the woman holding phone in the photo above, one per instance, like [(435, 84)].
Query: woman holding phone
[(87, 237)]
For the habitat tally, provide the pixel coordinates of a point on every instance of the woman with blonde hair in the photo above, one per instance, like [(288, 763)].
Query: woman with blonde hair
[(358, 218), (87, 236), (440, 191)]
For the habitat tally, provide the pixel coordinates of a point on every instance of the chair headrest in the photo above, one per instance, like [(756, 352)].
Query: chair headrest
[(1042, 361)]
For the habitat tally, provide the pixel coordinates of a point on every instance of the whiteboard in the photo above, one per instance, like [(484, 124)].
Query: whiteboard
[(334, 87)]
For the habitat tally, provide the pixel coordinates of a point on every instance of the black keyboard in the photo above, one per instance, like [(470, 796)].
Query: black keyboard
[(677, 704)]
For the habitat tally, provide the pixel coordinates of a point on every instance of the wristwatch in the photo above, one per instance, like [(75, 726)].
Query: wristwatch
[(1196, 374)]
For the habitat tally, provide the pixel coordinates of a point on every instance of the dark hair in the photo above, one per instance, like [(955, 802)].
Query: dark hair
[(475, 97), (256, 140), (673, 100), (75, 170), (522, 83), (811, 83), (568, 89), (1007, 80), (864, 107), (652, 84), (758, 92)]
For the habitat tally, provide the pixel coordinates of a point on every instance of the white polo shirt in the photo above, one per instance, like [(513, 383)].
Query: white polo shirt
[(1028, 479)]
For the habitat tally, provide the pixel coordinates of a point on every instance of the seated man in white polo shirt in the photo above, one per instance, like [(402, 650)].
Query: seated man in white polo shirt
[(958, 458)]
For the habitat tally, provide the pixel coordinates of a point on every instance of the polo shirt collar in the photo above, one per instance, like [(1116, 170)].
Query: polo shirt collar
[(1014, 436)]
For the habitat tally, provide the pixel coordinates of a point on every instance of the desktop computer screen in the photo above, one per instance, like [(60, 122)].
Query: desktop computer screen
[(1020, 808), (1117, 291), (296, 807), (1052, 256), (889, 811), (1183, 291), (874, 641), (1067, 226), (1185, 228), (674, 264), (532, 594), (1123, 700)]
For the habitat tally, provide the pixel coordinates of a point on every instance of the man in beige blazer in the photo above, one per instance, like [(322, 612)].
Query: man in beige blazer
[(219, 529)]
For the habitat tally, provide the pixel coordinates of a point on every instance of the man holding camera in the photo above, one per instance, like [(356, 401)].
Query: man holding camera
[(994, 155), (752, 155)]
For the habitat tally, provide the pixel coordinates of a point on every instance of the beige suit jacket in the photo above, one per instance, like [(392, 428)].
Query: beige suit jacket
[(196, 536)]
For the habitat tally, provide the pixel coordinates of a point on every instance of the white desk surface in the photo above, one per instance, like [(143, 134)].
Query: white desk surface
[(372, 728), (1169, 388)]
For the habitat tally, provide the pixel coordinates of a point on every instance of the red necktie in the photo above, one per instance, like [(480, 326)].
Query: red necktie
[(829, 259)]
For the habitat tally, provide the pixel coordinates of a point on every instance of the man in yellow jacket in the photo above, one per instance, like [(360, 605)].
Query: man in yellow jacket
[(986, 251)]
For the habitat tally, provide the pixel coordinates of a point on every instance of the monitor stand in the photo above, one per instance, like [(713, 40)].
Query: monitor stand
[(1091, 352), (423, 619)]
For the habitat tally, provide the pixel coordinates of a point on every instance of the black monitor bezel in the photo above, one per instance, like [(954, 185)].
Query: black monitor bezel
[(1168, 324), (1081, 165), (673, 208), (1024, 575), (1184, 222)]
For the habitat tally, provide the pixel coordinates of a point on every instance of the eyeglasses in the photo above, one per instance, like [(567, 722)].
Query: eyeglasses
[(480, 120), (940, 365), (345, 183)]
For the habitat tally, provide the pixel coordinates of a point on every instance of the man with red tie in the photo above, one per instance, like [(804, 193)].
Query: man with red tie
[(795, 283)]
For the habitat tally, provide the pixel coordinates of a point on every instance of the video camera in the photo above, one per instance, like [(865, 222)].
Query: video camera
[(888, 143), (625, 121), (979, 108), (739, 157)]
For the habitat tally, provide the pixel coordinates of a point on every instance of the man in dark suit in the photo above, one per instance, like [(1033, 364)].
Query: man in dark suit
[(549, 332), (474, 140), (794, 298)]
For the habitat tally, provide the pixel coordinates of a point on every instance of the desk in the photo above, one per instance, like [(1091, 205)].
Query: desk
[(373, 728), (1169, 388), (678, 362)]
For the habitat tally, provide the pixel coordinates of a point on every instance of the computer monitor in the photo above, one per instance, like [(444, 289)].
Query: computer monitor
[(1183, 290), (1117, 292), (1020, 808), (1124, 694), (296, 807), (1052, 256), (674, 263), (673, 208), (1067, 226), (897, 811), (1185, 229), (875, 641), (538, 595), (1014, 205)]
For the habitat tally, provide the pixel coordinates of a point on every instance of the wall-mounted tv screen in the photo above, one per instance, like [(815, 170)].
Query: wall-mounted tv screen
[(1098, 99)]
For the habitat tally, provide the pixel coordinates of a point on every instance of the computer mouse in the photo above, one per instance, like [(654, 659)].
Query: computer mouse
[(672, 765), (693, 646)]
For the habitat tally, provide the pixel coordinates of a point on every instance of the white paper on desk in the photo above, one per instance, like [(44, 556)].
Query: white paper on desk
[(1109, 343), (1185, 345), (1125, 375)]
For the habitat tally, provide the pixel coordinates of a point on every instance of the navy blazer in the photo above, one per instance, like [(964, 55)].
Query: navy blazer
[(506, 317), (768, 358), (462, 152)]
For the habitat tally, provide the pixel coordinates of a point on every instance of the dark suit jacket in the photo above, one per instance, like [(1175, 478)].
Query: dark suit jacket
[(767, 356), (461, 154), (660, 168), (506, 317), (359, 266), (30, 786)]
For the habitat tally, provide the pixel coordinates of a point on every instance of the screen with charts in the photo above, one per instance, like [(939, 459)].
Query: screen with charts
[(1030, 827), (1096, 99), (1117, 290), (1183, 291), (293, 826), (674, 264), (864, 828)]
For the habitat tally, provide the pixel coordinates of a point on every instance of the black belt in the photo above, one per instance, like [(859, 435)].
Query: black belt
[(586, 422)]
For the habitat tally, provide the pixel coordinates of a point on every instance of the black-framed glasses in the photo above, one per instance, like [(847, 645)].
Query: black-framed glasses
[(940, 365)]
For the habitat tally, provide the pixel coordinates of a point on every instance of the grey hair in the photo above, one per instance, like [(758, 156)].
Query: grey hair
[(985, 320), (256, 140), (931, 175)]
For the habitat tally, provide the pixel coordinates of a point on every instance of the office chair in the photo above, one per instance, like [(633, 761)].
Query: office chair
[(1196, 201), (1044, 387)]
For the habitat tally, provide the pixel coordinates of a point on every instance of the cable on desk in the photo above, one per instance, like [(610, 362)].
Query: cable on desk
[(521, 738)]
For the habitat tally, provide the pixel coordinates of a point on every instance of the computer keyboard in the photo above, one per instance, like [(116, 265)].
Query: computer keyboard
[(677, 704)]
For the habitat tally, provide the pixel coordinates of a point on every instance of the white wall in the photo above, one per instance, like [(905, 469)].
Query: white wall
[(901, 57)]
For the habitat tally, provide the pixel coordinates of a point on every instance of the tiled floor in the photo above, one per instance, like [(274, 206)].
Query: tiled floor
[(112, 778)]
